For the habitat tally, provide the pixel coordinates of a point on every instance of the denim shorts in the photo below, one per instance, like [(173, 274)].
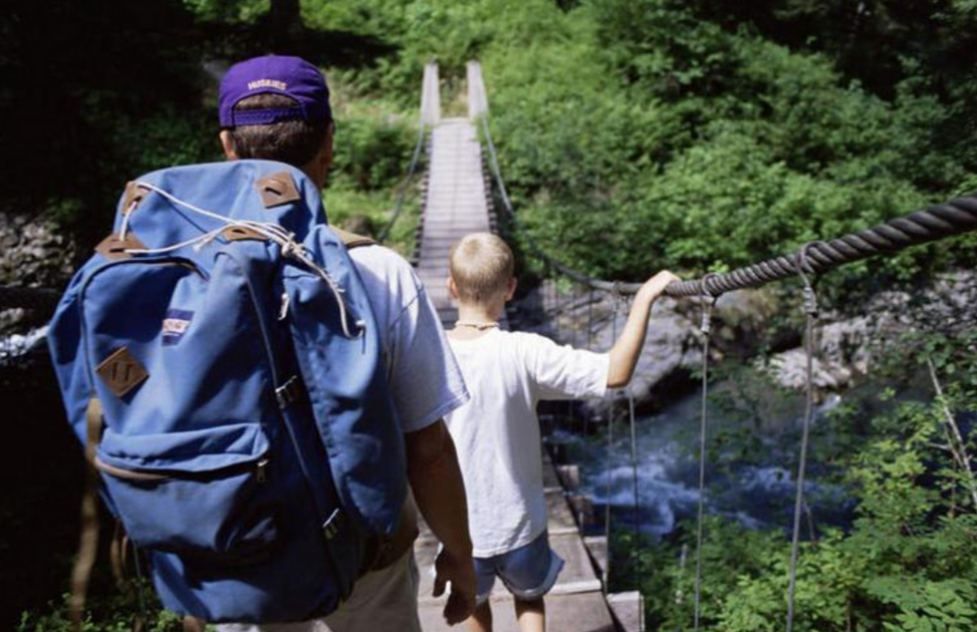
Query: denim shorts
[(529, 572)]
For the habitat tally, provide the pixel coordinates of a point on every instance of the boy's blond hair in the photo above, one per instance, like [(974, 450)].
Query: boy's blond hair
[(481, 266)]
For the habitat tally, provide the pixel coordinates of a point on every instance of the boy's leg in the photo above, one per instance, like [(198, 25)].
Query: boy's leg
[(529, 572), (531, 615), (481, 619)]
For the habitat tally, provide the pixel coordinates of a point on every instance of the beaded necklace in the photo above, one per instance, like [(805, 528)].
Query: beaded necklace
[(476, 325)]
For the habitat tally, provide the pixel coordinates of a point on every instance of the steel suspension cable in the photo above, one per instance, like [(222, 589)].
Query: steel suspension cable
[(634, 449), (405, 183), (634, 471), (610, 452), (811, 311), (590, 344), (571, 403), (709, 301), (430, 115)]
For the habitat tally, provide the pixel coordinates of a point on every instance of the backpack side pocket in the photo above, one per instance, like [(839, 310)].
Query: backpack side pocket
[(194, 493)]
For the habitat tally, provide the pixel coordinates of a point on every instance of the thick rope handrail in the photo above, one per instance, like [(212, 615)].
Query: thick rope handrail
[(42, 299), (936, 222)]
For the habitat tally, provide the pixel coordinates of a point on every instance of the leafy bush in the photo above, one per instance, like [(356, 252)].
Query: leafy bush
[(907, 562), (114, 613)]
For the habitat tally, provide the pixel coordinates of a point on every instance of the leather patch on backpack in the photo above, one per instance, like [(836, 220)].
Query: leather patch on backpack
[(278, 188), (114, 248), (134, 195), (352, 240), (242, 233), (121, 372)]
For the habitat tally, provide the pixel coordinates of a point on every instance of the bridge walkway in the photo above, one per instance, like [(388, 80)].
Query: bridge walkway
[(456, 204), (576, 603)]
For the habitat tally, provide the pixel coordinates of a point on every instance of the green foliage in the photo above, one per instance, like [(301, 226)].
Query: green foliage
[(636, 135), (373, 147), (115, 612), (374, 144), (369, 212), (227, 10), (927, 606), (908, 561), (633, 135), (91, 97)]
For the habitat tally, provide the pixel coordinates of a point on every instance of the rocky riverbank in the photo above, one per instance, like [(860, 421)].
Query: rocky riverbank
[(762, 327), (32, 254)]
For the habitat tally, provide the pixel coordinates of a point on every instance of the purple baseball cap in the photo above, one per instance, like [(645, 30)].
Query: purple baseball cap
[(276, 74)]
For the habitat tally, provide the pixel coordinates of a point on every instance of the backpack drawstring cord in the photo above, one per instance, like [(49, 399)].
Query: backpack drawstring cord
[(277, 234)]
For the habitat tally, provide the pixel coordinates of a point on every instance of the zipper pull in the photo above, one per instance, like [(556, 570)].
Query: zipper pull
[(283, 312), (261, 475)]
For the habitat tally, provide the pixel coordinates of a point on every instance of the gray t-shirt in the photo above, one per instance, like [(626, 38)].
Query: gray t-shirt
[(425, 381)]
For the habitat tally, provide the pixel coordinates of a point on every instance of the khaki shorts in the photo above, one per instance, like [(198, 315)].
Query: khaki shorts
[(382, 600)]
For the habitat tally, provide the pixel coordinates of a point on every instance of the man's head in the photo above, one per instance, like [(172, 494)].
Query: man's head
[(481, 267), (277, 108)]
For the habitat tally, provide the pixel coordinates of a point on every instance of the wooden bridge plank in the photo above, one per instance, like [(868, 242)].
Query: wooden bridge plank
[(455, 206)]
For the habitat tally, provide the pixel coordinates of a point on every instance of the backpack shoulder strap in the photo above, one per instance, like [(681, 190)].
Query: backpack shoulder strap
[(352, 240)]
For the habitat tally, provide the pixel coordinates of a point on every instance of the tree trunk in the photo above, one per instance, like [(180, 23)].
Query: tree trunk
[(286, 26)]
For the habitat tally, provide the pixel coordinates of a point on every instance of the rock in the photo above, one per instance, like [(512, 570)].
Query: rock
[(32, 255), (593, 321), (16, 346), (848, 347), (744, 323)]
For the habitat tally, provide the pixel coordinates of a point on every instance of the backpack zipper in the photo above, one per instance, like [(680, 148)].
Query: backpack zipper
[(260, 469)]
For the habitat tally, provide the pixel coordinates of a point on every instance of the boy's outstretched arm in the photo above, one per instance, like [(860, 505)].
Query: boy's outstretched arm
[(627, 348)]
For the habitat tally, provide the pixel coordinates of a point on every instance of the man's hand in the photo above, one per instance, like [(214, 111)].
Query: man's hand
[(460, 571), (435, 478)]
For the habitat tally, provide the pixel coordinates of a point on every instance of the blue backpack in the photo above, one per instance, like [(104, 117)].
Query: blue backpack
[(219, 359)]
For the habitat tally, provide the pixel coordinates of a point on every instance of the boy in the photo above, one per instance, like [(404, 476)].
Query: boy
[(497, 432)]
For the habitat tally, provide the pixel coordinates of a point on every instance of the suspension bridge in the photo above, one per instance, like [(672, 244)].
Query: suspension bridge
[(462, 181)]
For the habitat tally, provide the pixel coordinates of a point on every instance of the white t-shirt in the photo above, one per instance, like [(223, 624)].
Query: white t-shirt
[(497, 432), (424, 378)]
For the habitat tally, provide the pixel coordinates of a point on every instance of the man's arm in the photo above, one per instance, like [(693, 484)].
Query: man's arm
[(435, 479), (627, 348)]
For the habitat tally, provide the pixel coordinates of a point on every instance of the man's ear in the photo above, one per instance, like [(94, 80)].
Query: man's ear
[(318, 167), (452, 288), (228, 145), (325, 152)]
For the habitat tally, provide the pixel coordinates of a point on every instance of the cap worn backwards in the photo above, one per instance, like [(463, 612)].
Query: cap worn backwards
[(276, 74)]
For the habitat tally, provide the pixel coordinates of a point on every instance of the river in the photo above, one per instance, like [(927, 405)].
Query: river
[(758, 495)]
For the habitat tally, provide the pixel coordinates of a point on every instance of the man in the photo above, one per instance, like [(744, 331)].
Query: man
[(277, 108)]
